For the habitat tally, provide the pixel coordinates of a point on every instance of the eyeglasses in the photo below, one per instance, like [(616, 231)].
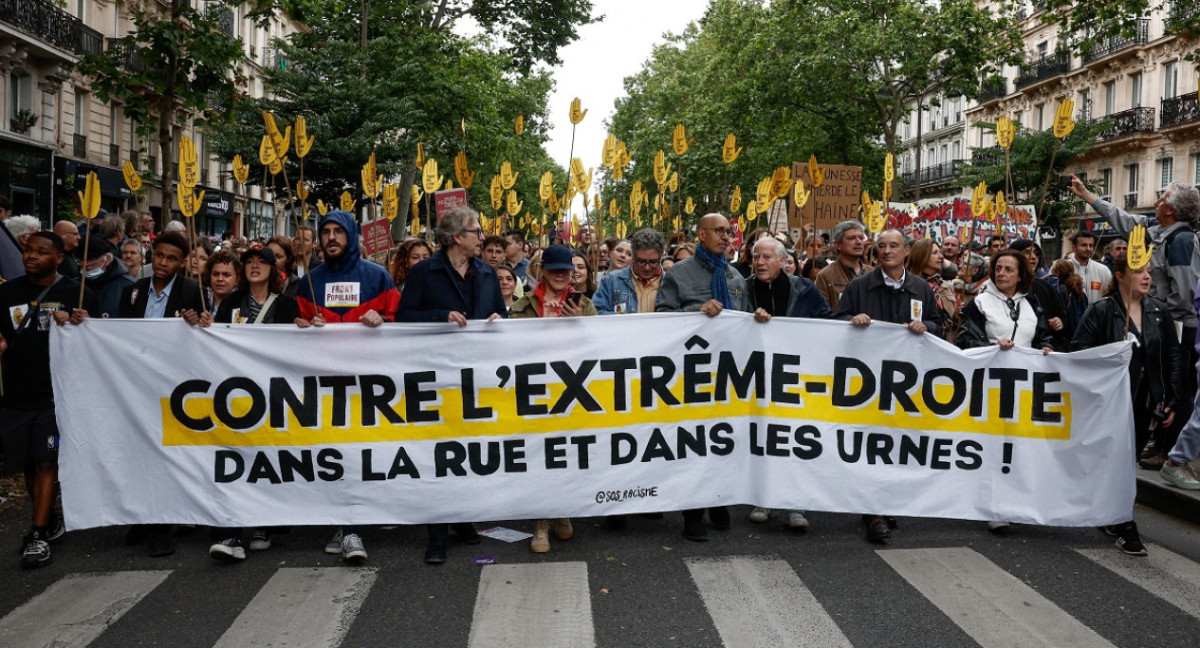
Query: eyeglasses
[(478, 231), (647, 262), (719, 231)]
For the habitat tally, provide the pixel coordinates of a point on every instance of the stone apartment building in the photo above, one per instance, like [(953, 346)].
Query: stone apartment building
[(55, 130), (1140, 82)]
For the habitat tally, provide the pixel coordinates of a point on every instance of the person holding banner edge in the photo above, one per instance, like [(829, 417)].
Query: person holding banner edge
[(452, 286), (706, 283), (889, 294), (28, 427), (1155, 369)]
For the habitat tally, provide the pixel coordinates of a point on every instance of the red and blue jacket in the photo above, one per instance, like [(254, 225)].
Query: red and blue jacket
[(348, 286)]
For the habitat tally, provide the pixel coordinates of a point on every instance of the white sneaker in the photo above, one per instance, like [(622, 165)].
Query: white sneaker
[(1181, 476), (796, 520), (353, 549), (334, 546), (760, 514), (229, 549)]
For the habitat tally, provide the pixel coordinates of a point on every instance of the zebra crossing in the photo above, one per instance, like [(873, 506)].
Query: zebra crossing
[(749, 602)]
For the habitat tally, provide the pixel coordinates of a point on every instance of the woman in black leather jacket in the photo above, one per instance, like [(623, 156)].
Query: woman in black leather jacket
[(1155, 371)]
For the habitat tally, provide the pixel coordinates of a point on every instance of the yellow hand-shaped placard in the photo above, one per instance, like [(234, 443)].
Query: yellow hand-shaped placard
[(266, 152), (304, 141), (545, 186), (1005, 131), (507, 176), (679, 140), (815, 175), (132, 179), (430, 180), (577, 114), (189, 168), (513, 205), (660, 168), (730, 150), (321, 208), (348, 202), (1137, 255), (1001, 205), (89, 198), (519, 127), (391, 201), (241, 170), (889, 168), (763, 193), (735, 200), (466, 177), (781, 182), (608, 156), (979, 200), (751, 210), (1064, 122), (800, 194), (673, 183), (689, 207), (420, 159)]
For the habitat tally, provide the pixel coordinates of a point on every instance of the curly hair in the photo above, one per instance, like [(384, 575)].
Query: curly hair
[(399, 267)]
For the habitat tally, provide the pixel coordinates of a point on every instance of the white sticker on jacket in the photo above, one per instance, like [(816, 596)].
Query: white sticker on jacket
[(917, 306), (341, 294)]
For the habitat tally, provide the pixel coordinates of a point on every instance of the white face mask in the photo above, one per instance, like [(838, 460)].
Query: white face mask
[(99, 270)]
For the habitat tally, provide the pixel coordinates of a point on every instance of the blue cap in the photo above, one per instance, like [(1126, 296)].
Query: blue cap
[(557, 257)]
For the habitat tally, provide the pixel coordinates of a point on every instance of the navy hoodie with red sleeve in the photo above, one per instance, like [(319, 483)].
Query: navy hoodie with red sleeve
[(348, 286)]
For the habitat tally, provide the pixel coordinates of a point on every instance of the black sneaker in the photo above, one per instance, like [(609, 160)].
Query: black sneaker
[(1131, 542), (695, 530), (877, 530), (36, 552), (228, 550), (59, 530), (719, 516)]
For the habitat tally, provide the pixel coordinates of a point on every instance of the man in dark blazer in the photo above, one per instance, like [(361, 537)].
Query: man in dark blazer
[(166, 293)]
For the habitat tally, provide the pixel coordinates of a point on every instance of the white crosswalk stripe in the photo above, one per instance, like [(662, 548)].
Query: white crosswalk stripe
[(1163, 573), (752, 602), (301, 607), (75, 610), (533, 605), (992, 606), (760, 603)]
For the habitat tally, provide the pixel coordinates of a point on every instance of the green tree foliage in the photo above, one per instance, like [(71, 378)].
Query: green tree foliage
[(835, 78), (1095, 20), (174, 64), (412, 82), (1030, 156)]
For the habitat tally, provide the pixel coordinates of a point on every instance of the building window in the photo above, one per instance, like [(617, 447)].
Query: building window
[(1135, 89), (957, 151), (1131, 185), (1106, 184), (1170, 80), (20, 93), (1043, 48), (1196, 173), (1039, 112), (1085, 104), (81, 108), (1110, 97), (1166, 167)]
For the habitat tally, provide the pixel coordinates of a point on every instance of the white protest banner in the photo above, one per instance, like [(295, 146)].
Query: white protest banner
[(240, 425)]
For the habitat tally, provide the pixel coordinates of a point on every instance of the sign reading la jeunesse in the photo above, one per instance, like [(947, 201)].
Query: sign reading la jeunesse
[(240, 425)]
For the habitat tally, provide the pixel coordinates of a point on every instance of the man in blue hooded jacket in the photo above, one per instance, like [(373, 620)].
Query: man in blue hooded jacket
[(348, 288)]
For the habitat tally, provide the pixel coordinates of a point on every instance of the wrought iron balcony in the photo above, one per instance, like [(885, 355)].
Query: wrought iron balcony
[(993, 90), (129, 56), (943, 172), (1131, 200), (1117, 43), (1046, 67), (48, 23), (114, 155), (1180, 110), (1129, 122), (79, 145), (224, 17)]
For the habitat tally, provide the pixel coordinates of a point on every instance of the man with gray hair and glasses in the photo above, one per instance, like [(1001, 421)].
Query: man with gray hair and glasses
[(849, 239), (634, 289)]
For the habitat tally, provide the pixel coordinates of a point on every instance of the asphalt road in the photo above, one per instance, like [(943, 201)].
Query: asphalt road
[(935, 583)]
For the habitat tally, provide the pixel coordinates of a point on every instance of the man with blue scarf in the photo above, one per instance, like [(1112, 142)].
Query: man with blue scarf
[(706, 283)]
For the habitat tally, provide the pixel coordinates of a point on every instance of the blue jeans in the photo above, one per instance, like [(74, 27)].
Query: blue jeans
[(1187, 447)]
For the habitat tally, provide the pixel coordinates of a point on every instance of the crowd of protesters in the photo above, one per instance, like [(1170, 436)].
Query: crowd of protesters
[(1000, 293)]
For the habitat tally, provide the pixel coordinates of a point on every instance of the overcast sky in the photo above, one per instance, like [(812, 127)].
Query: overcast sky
[(595, 66)]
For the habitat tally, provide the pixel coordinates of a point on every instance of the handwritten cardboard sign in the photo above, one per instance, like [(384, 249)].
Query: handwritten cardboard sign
[(833, 202)]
